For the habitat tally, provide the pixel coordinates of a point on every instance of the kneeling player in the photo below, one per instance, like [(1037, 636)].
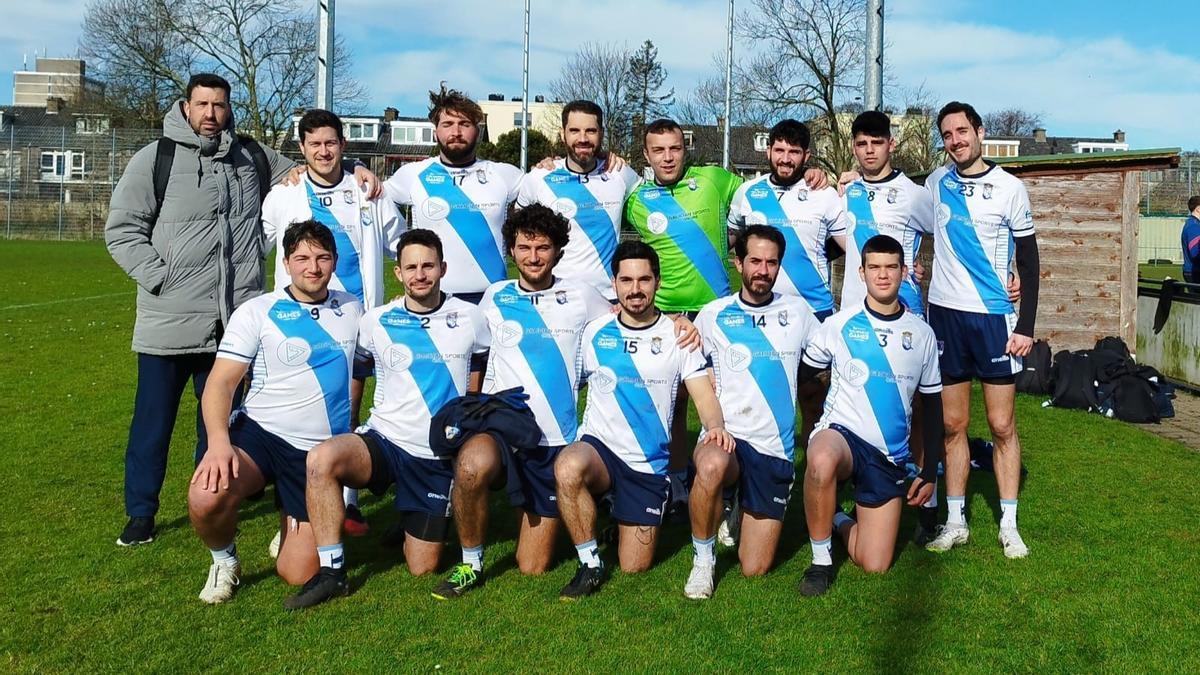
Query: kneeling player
[(301, 342), (633, 366), (426, 346), (754, 341), (879, 355)]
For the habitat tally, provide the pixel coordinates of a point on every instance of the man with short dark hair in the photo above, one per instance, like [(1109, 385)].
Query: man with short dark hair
[(196, 255), (1190, 240), (429, 348), (983, 223), (633, 366), (300, 340)]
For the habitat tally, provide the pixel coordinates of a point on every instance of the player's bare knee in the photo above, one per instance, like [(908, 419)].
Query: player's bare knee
[(822, 465), (202, 503), (292, 573), (569, 468), (755, 568), (875, 564), (1003, 427), (320, 463), (533, 565), (710, 467)]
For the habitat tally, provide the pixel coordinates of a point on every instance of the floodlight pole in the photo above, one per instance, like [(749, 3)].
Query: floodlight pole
[(873, 83), (728, 88), (525, 96), (325, 54)]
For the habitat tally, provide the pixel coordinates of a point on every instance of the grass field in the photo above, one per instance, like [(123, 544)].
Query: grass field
[(1109, 511)]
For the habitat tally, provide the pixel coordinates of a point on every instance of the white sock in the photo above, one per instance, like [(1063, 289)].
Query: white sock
[(350, 496), (705, 550), (932, 502), (473, 556), (331, 556), (954, 510), (1008, 513), (822, 551), (225, 556), (589, 553)]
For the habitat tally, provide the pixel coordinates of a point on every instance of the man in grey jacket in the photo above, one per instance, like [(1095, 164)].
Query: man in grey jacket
[(195, 258)]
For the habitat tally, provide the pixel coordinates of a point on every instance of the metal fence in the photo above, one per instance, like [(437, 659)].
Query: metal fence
[(1166, 192)]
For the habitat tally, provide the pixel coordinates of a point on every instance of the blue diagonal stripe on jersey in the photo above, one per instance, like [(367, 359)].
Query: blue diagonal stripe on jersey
[(768, 372), (592, 218), (470, 225), (799, 267), (349, 268), (883, 391), (961, 231), (428, 368), (633, 399), (865, 227), (325, 357), (542, 354), (687, 234)]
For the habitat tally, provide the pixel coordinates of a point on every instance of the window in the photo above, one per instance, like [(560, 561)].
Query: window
[(760, 141), (412, 134), (91, 124), (361, 131), (517, 120), (689, 139), (55, 165)]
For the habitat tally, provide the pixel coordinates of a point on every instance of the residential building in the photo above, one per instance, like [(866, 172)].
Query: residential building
[(747, 147), (53, 147), (383, 143), (995, 147), (501, 116), (64, 79)]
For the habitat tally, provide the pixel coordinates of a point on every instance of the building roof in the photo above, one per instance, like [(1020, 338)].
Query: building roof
[(1119, 160), (37, 117), (1052, 145), (708, 139)]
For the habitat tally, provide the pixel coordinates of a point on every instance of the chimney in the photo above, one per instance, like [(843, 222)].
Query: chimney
[(54, 105), (1119, 136), (1039, 135), (720, 122), (390, 114)]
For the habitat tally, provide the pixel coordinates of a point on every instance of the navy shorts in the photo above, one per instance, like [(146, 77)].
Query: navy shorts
[(529, 477), (972, 345), (280, 463), (876, 480), (765, 482), (363, 368), (637, 498), (422, 486)]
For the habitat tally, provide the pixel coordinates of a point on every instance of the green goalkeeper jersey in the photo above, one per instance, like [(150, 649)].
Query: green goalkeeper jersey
[(685, 223)]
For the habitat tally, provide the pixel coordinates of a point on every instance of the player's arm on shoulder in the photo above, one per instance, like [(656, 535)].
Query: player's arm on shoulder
[(397, 187)]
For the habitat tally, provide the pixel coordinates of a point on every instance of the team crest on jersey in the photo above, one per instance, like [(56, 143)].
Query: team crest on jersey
[(802, 195), (607, 342), (364, 216), (893, 193), (336, 306), (906, 340), (481, 176), (560, 297), (858, 334), (760, 192), (987, 190), (656, 345), (783, 317), (348, 195), (692, 184), (452, 320)]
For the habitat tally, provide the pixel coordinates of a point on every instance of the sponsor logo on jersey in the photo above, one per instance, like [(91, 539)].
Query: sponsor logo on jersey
[(435, 208), (566, 207), (434, 495), (397, 357), (738, 357), (604, 380), (906, 340), (656, 345), (651, 195), (294, 351), (434, 178), (607, 342), (856, 372), (505, 299), (657, 222), (949, 183), (560, 297), (288, 314), (781, 500), (858, 334), (854, 192), (510, 333), (759, 192), (557, 178), (733, 320), (452, 320)]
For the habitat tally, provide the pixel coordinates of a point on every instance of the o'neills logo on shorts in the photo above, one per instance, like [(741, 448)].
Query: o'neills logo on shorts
[(653, 511), (434, 495)]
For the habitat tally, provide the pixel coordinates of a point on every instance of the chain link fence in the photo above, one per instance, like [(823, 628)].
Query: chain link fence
[(1166, 192)]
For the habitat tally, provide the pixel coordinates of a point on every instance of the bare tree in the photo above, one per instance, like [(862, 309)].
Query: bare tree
[(810, 61), (1012, 122), (146, 50), (706, 101), (598, 72), (918, 146)]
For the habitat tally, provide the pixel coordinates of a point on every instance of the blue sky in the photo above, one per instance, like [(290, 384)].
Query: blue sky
[(1088, 67)]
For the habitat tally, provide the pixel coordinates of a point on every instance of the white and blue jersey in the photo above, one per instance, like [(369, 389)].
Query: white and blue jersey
[(876, 366), (365, 230), (632, 376), (894, 206), (466, 207), (977, 218), (422, 361), (301, 354), (807, 218), (755, 352), (593, 202), (535, 345)]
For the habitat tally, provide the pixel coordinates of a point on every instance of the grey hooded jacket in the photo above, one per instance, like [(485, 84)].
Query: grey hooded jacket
[(201, 256)]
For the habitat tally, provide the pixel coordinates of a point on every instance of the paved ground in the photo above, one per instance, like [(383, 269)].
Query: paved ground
[(1185, 426)]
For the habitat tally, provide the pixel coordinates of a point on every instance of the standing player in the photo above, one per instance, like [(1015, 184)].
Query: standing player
[(365, 230), (754, 341), (300, 339), (428, 350), (588, 193), (460, 197), (983, 216), (879, 355), (536, 321), (633, 367)]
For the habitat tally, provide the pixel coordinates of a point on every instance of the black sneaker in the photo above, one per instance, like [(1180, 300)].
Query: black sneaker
[(587, 581), (816, 580), (462, 579), (326, 584), (139, 530)]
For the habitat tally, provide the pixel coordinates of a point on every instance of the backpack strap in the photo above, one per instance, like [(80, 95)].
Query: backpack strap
[(261, 166), (164, 157)]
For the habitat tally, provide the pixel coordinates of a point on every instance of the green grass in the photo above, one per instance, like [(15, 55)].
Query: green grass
[(1148, 271), (1109, 512)]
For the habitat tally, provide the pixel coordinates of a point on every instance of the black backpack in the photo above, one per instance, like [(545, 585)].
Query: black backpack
[(164, 157), (1074, 377), (1134, 393), (1035, 377)]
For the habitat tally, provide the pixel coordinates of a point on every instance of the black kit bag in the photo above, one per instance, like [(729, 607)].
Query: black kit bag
[(1034, 378)]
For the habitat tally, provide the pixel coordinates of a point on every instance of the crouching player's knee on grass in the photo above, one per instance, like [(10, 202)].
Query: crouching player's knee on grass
[(879, 357)]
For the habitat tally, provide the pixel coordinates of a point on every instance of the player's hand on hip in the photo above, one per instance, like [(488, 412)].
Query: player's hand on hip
[(920, 491), (686, 334), (918, 271), (816, 179), (219, 466), (845, 179), (1019, 345), (1014, 288), (369, 181)]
